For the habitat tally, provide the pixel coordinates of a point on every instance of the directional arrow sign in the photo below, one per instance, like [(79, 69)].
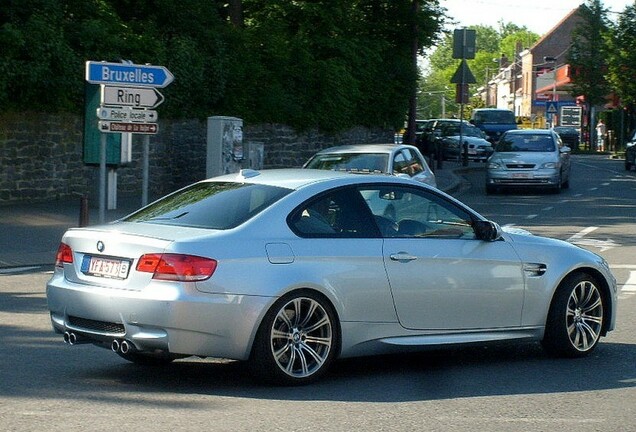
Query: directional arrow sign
[(127, 74), (463, 74), (138, 97), (127, 115), (136, 128)]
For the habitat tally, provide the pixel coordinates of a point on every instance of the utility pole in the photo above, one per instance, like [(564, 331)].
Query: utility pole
[(411, 124)]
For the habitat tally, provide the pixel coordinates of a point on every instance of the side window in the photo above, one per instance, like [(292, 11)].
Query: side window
[(341, 213), (412, 212), (399, 164), (414, 164), (405, 162)]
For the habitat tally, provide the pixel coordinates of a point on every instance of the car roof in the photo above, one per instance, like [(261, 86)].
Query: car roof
[(529, 132), (296, 178), (365, 148)]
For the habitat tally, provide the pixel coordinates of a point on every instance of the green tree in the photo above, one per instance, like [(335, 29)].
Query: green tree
[(331, 64), (589, 52), (622, 60), (491, 43)]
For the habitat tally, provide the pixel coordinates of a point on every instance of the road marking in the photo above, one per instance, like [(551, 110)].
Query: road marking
[(547, 209), (580, 240), (605, 184), (532, 216), (582, 233), (630, 283)]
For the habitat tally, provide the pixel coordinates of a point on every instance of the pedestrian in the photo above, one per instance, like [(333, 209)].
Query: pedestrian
[(601, 132)]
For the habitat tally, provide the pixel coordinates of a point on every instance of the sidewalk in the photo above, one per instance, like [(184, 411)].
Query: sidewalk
[(30, 233)]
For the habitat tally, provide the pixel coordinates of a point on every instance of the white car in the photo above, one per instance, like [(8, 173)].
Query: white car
[(289, 270), (396, 159)]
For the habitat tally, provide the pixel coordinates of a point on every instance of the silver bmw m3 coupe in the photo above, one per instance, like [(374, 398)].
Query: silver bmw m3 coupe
[(291, 269)]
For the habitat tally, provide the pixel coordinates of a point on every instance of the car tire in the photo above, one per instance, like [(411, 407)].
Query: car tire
[(557, 188), (297, 340), (566, 183), (628, 166), (575, 320)]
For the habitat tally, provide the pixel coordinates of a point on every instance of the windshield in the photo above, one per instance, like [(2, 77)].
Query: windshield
[(354, 162), (526, 143), (210, 205), (467, 130), (494, 117)]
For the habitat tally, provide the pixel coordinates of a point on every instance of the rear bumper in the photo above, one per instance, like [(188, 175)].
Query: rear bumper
[(178, 320)]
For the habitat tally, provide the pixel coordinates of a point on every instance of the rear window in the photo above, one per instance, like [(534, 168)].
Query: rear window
[(494, 117), (353, 162), (210, 205)]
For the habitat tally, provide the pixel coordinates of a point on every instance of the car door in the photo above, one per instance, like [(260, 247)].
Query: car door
[(442, 277), (340, 249), (564, 156)]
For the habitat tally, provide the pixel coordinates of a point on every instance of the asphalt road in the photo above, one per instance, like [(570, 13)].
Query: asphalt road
[(47, 385)]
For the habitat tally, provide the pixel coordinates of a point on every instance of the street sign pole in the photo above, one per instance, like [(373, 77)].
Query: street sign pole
[(102, 179), (146, 164)]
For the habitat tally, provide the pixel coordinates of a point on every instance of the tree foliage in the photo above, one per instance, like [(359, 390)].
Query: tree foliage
[(308, 63), (491, 44), (588, 54), (622, 57)]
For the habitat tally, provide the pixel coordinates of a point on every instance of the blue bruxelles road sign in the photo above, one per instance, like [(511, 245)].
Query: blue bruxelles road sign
[(127, 74)]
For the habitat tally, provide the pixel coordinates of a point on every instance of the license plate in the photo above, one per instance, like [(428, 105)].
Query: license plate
[(522, 175), (105, 267)]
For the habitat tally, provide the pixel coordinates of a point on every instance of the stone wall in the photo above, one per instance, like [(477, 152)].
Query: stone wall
[(41, 155)]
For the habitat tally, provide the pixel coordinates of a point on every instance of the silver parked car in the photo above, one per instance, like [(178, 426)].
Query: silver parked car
[(473, 142), (529, 158), (401, 160), (291, 269)]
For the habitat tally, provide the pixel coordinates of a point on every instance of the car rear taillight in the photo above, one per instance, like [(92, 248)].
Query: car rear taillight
[(177, 267), (64, 255)]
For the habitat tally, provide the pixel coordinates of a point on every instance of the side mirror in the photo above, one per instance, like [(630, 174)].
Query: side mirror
[(487, 230), (566, 149)]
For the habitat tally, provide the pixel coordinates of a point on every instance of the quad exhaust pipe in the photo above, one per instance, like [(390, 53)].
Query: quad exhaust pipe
[(122, 346), (73, 339)]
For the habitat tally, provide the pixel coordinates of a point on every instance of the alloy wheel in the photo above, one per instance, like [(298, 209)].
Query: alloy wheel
[(301, 337), (584, 315)]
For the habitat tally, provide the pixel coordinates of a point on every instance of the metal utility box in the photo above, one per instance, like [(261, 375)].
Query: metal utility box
[(224, 146)]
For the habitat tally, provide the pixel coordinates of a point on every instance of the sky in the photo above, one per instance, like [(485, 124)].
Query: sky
[(538, 16)]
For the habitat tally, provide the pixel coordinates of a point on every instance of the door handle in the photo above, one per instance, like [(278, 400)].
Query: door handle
[(402, 256)]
